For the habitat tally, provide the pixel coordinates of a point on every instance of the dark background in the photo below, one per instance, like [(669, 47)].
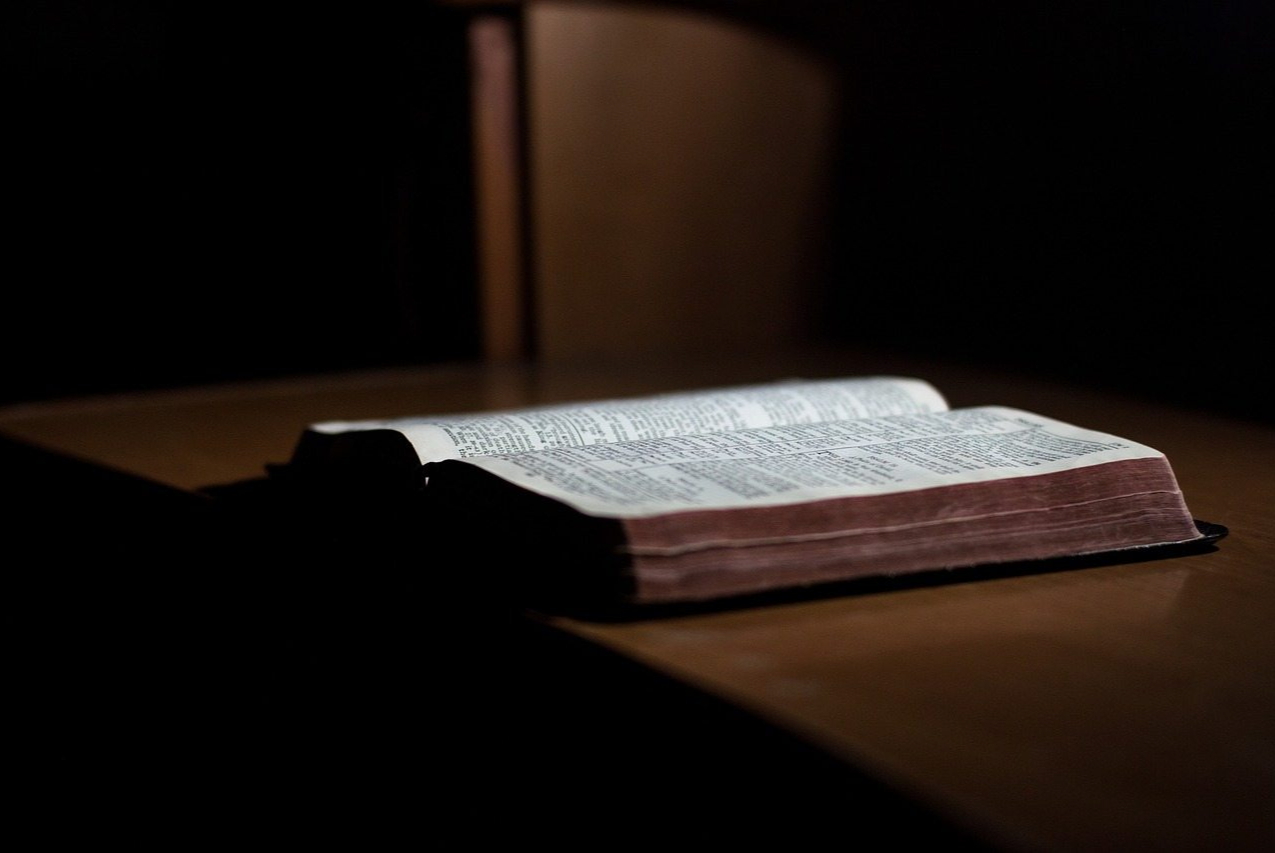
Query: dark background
[(229, 190), (200, 192), (1081, 188)]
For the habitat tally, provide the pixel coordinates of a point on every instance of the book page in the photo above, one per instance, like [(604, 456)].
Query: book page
[(792, 464), (642, 418)]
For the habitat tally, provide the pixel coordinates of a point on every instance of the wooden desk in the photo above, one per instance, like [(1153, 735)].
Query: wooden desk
[(1121, 707)]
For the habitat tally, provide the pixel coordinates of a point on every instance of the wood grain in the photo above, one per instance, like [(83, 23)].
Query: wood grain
[(678, 181), (1123, 707), (496, 93)]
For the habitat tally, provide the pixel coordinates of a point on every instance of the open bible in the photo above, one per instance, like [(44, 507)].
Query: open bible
[(694, 496)]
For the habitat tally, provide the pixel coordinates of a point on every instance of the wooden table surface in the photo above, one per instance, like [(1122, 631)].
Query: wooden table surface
[(1127, 706)]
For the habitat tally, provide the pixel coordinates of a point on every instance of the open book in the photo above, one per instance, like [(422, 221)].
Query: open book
[(693, 496)]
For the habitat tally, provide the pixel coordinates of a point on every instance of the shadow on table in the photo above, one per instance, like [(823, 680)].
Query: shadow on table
[(212, 666)]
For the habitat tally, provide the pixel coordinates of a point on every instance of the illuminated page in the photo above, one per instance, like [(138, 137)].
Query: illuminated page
[(781, 465)]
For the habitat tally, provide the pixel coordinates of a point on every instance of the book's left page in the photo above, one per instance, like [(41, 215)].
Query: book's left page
[(794, 402)]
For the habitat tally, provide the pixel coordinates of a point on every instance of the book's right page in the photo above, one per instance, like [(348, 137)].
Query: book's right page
[(786, 465)]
